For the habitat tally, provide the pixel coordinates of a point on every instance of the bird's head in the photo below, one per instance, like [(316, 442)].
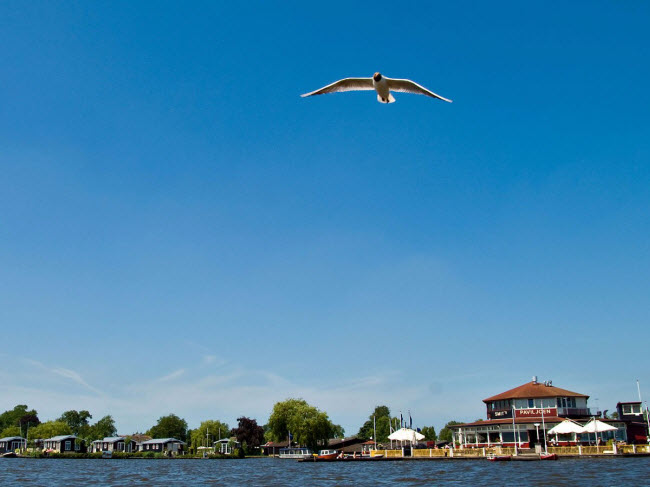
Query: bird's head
[(377, 77)]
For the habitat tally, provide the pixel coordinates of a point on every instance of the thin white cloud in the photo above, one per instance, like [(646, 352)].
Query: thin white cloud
[(75, 377), (69, 374), (174, 375)]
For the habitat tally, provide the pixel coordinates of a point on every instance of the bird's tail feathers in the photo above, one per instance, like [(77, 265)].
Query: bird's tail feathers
[(390, 99)]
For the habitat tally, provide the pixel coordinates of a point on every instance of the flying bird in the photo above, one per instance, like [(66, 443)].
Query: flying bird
[(381, 84)]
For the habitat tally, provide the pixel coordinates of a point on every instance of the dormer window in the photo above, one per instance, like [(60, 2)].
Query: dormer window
[(632, 409)]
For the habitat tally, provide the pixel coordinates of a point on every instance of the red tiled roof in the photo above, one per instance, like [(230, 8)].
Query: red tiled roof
[(533, 390)]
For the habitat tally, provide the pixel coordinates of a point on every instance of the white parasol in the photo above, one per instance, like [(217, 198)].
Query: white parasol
[(565, 427), (406, 434), (595, 426)]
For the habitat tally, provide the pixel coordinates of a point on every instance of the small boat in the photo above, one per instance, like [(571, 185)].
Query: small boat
[(10, 454), (548, 456), (326, 455), (499, 458)]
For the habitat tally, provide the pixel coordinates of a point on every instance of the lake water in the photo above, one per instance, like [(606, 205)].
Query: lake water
[(275, 472)]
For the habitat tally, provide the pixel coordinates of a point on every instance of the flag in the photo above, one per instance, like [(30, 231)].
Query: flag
[(410, 421), (401, 420)]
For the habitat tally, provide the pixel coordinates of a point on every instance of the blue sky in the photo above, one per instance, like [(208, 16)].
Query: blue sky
[(181, 232)]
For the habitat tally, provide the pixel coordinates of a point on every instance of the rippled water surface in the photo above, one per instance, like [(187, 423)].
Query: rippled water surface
[(270, 471)]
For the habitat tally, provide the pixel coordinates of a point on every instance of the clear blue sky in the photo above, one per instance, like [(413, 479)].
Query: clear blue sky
[(181, 232)]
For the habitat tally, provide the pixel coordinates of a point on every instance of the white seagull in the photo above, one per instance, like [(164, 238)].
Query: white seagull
[(381, 84)]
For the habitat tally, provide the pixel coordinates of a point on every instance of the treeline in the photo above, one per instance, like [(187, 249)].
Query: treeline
[(295, 418)]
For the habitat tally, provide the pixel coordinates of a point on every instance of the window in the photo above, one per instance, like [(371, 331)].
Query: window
[(531, 403), (68, 445)]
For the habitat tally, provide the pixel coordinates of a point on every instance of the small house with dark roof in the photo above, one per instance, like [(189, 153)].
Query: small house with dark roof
[(114, 443), (273, 448), (12, 443), (351, 444), (64, 444), (169, 446)]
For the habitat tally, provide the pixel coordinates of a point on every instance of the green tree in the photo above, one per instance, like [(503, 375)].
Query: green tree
[(10, 431), (103, 428), (207, 433), (19, 416), (429, 433), (248, 433), (77, 420), (446, 433), (307, 424), (50, 429), (170, 426), (380, 420)]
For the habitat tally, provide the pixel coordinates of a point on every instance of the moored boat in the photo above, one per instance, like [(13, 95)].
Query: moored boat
[(295, 453), (327, 455), (499, 458), (548, 456)]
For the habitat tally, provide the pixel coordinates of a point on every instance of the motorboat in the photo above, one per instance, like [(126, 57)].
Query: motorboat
[(327, 455)]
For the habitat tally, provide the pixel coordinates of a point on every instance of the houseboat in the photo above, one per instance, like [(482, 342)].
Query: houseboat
[(295, 453)]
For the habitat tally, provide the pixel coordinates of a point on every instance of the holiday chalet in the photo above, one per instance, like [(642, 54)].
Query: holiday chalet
[(537, 407)]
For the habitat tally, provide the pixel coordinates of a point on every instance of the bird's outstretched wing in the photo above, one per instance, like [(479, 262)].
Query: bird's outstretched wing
[(408, 86), (347, 84)]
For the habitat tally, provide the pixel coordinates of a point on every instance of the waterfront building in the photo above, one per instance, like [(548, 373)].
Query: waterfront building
[(64, 444), (520, 416), (115, 443), (170, 446), (226, 446), (12, 443), (272, 448), (631, 413)]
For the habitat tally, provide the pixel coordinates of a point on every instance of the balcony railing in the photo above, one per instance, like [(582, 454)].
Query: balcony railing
[(581, 412)]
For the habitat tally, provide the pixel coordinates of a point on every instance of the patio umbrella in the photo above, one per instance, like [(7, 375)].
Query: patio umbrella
[(406, 434), (595, 426), (566, 427)]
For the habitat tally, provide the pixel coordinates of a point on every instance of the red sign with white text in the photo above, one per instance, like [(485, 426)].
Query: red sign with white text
[(527, 413)]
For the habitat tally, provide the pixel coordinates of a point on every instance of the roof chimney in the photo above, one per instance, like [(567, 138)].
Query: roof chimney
[(534, 379)]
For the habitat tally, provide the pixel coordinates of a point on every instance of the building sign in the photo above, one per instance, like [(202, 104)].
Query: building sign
[(506, 413), (527, 413)]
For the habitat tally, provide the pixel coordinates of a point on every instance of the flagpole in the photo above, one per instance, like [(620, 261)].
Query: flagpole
[(514, 432), (374, 427), (647, 412), (544, 429)]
